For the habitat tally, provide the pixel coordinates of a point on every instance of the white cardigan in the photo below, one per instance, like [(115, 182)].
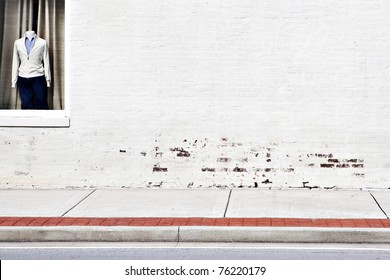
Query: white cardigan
[(34, 65)]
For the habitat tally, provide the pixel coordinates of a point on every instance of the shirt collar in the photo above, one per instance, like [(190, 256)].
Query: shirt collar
[(32, 39)]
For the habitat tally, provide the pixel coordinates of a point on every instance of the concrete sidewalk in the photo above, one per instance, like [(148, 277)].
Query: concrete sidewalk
[(189, 215)]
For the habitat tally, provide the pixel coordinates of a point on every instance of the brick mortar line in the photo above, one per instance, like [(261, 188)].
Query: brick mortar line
[(181, 222)]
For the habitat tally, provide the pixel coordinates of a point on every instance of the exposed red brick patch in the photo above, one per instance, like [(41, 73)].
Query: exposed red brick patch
[(160, 169), (208, 169), (181, 152), (238, 169), (224, 159), (342, 165), (327, 165)]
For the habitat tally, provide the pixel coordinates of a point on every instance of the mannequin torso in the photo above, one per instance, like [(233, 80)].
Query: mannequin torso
[(31, 58)]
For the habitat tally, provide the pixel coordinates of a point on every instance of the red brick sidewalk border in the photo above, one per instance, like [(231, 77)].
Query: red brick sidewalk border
[(254, 222)]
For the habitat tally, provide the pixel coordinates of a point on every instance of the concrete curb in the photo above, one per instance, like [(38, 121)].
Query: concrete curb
[(195, 234), (284, 235), (86, 234)]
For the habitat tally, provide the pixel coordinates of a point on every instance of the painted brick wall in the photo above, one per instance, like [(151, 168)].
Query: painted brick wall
[(222, 93)]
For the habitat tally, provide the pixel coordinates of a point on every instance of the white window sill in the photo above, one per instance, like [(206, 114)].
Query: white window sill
[(34, 118)]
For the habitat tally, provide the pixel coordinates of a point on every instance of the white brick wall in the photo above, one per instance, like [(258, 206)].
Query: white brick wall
[(217, 93)]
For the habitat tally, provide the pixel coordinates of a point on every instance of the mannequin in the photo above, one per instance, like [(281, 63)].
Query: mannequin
[(30, 34), (31, 71)]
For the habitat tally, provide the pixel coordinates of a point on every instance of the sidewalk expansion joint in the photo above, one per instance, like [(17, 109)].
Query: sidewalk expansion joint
[(380, 207), (77, 204), (178, 234), (227, 204)]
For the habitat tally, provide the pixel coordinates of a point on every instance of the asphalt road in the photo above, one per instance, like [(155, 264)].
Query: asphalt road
[(191, 251)]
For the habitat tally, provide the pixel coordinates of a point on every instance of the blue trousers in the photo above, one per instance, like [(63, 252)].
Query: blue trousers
[(33, 93)]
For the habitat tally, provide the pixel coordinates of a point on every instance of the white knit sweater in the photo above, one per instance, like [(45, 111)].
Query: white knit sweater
[(34, 65)]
